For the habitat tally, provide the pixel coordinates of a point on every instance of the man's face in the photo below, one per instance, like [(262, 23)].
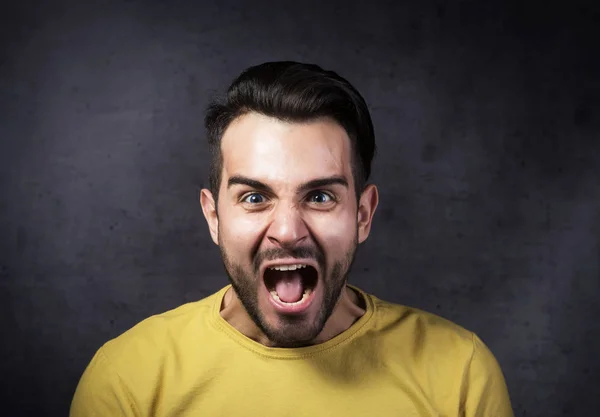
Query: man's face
[(287, 222)]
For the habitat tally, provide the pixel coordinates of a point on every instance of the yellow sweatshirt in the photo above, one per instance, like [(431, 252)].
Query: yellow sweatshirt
[(393, 361)]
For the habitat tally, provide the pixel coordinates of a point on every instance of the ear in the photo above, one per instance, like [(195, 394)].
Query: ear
[(210, 214), (366, 209)]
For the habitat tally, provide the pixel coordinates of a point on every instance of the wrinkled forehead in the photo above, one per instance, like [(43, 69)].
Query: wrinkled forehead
[(265, 148)]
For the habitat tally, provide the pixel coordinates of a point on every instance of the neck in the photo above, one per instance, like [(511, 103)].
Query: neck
[(349, 308)]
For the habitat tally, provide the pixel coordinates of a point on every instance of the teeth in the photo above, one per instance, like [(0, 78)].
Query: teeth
[(305, 295), (287, 267)]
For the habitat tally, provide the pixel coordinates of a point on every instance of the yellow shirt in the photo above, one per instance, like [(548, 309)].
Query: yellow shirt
[(393, 361)]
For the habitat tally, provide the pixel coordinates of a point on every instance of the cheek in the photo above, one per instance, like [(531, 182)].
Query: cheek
[(336, 232), (240, 232)]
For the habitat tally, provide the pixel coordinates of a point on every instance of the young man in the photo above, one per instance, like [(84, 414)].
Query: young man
[(288, 205)]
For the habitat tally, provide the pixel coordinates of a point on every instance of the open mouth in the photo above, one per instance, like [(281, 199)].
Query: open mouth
[(291, 285)]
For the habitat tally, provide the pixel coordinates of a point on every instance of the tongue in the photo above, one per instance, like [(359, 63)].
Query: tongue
[(289, 286)]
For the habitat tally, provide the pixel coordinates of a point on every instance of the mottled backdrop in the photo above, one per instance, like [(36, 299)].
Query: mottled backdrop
[(487, 124)]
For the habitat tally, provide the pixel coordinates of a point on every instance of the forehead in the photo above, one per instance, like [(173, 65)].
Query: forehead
[(267, 148)]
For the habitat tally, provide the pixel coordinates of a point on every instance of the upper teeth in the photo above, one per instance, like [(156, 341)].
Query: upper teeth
[(287, 267)]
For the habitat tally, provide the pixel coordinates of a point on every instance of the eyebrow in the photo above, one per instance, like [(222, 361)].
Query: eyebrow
[(316, 183)]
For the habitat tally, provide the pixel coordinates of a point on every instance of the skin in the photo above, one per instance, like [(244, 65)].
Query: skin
[(270, 208)]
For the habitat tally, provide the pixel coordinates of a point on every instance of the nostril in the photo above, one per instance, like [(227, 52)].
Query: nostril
[(287, 243), (286, 239)]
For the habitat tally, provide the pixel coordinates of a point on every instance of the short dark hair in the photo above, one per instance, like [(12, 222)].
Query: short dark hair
[(293, 92)]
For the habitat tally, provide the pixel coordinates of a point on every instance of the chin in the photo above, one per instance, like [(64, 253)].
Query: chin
[(292, 329)]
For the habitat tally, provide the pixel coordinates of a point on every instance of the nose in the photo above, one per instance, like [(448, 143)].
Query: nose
[(287, 228)]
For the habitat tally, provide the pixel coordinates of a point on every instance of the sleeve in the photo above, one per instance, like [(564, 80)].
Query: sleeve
[(101, 392), (484, 390)]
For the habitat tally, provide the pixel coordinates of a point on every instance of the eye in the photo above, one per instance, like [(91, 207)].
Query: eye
[(320, 197), (254, 198)]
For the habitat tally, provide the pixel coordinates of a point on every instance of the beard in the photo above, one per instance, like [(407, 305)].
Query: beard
[(292, 331)]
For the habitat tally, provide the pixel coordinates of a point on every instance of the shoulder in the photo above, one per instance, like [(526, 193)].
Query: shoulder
[(420, 328), (429, 334), (453, 361), (419, 339), (157, 333), (126, 371)]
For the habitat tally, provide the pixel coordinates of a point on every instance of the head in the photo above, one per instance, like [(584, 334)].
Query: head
[(288, 202)]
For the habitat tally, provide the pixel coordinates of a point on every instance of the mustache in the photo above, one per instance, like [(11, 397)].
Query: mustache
[(301, 252)]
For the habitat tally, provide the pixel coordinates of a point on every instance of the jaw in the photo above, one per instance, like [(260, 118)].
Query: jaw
[(286, 327), (258, 317), (261, 322)]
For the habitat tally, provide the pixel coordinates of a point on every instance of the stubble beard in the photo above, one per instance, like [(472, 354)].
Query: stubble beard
[(292, 331)]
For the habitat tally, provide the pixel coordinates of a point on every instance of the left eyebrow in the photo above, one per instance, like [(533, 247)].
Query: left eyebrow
[(322, 182)]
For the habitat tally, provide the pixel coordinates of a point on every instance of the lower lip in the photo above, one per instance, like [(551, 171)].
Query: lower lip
[(284, 308)]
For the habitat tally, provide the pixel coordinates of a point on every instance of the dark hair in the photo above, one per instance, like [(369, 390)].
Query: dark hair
[(293, 92)]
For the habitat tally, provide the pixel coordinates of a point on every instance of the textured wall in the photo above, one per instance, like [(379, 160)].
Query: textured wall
[(489, 172)]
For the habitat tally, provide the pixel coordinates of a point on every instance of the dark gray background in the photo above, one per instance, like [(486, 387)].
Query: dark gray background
[(486, 116)]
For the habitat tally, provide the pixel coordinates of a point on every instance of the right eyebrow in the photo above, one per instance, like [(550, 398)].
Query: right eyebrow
[(241, 180)]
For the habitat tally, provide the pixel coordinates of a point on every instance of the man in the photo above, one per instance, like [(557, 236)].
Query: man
[(288, 204)]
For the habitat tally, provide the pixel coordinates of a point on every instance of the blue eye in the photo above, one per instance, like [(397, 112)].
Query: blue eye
[(320, 197), (254, 198)]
